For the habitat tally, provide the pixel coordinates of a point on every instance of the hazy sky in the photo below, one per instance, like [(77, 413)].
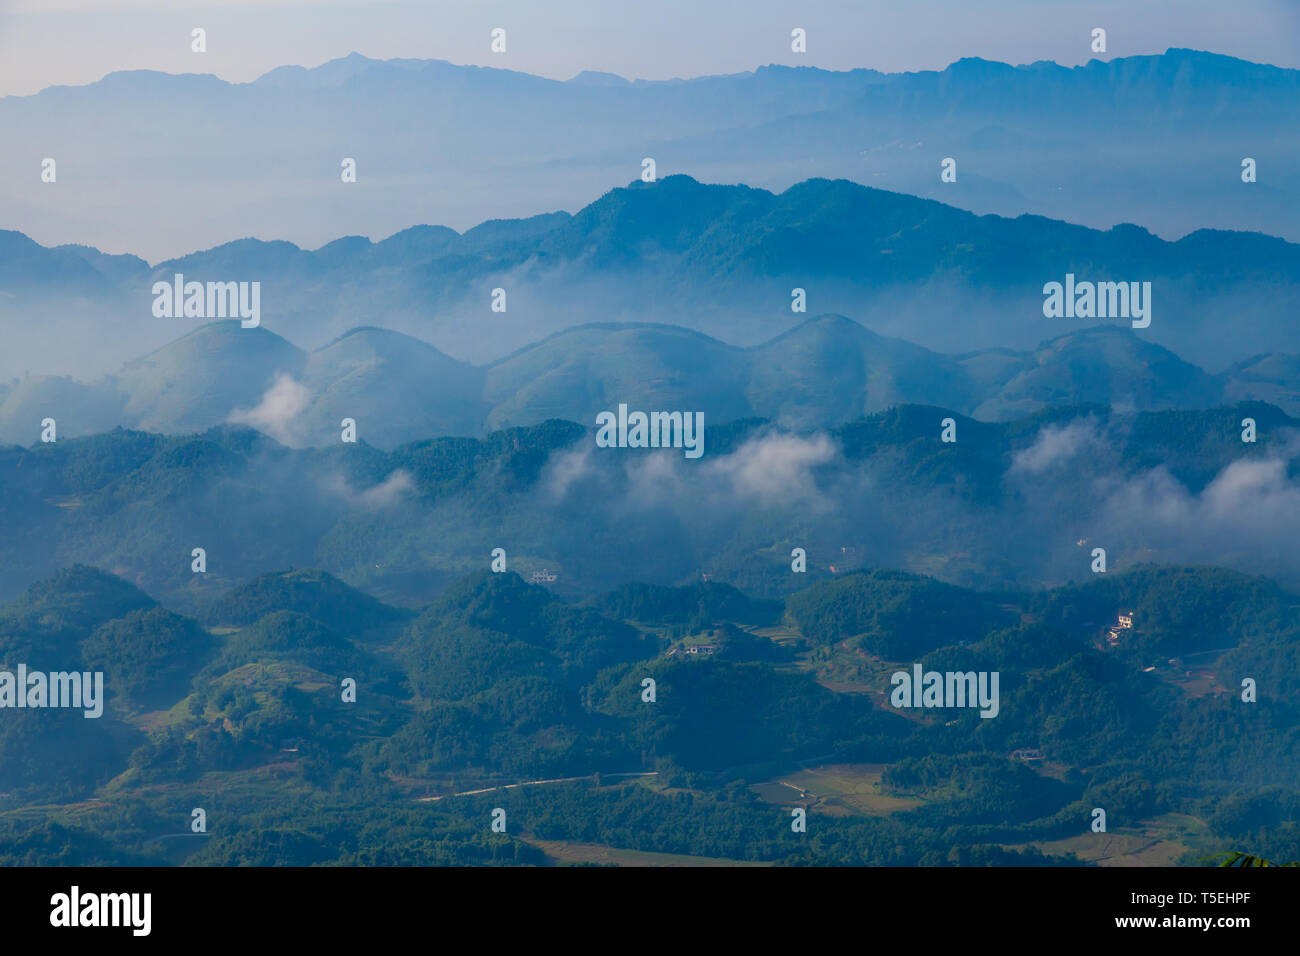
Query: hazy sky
[(49, 42)]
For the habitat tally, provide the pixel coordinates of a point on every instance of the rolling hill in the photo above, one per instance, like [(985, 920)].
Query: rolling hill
[(822, 373)]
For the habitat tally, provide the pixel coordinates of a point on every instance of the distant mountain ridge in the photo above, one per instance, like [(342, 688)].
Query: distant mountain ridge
[(514, 143), (824, 372)]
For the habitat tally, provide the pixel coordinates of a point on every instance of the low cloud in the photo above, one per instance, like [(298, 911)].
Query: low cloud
[(386, 493), (776, 468), (1057, 445), (1248, 515), (565, 469), (276, 413)]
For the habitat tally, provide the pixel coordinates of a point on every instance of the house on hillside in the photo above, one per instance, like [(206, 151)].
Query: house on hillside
[(1029, 753), (1123, 622)]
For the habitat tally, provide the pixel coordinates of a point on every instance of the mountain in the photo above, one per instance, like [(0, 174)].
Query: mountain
[(398, 386), (360, 652), (579, 372), (309, 592), (1267, 378), (1015, 503), (201, 378), (731, 701), (824, 372), (724, 261), (1141, 138), (831, 369), (1106, 366), (76, 600)]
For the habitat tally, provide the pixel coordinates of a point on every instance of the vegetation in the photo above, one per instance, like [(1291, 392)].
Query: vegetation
[(500, 682)]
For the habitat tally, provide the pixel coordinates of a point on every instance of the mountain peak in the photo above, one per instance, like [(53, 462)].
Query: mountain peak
[(223, 331), (381, 340), (976, 67), (597, 78)]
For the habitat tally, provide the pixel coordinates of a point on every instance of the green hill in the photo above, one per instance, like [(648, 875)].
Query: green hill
[(308, 592), (393, 386), (198, 380)]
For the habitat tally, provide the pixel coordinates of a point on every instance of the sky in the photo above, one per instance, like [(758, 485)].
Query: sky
[(73, 42)]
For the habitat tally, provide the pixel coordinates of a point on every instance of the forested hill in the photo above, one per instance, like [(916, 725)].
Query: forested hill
[(1015, 504), (758, 705)]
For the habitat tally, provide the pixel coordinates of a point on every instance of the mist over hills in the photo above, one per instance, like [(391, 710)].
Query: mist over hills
[(1156, 140), (905, 461), (721, 260), (1019, 503), (825, 372)]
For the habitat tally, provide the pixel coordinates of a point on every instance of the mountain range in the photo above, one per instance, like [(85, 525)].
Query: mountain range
[(1019, 503), (1156, 139), (825, 372), (499, 682), (359, 573), (721, 260)]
